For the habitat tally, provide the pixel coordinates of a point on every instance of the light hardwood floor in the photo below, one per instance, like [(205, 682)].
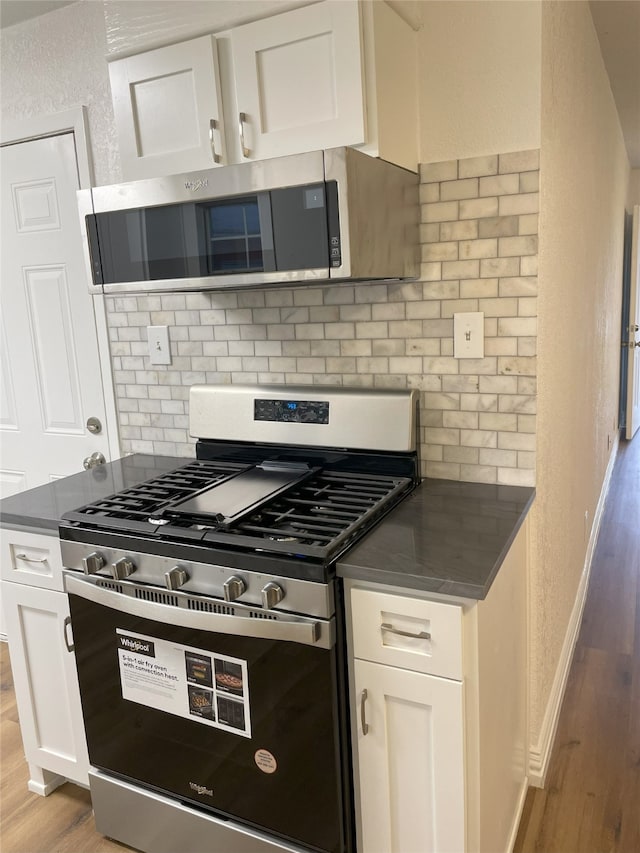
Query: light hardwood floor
[(591, 803)]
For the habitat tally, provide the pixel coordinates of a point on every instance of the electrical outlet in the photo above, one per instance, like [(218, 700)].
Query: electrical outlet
[(468, 335), (158, 342)]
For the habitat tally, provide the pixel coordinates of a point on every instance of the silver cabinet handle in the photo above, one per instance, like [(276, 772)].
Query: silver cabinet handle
[(423, 635), (65, 625), (242, 117), (213, 124), (363, 714), (31, 559)]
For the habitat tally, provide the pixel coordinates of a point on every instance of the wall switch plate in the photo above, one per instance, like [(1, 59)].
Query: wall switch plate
[(468, 335), (158, 341)]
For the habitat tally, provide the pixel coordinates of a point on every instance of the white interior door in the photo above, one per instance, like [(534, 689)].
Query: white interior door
[(50, 364), (633, 351)]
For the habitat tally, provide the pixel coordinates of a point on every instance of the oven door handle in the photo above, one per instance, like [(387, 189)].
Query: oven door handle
[(295, 629)]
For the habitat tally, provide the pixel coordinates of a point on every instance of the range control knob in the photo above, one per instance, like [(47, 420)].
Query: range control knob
[(92, 563), (272, 594), (122, 568), (175, 578), (233, 588)]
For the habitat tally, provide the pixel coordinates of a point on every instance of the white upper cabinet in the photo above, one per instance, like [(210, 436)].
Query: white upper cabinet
[(298, 81), (168, 109), (325, 75)]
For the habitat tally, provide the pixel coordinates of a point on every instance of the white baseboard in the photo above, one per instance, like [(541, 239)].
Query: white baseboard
[(540, 753), (43, 789)]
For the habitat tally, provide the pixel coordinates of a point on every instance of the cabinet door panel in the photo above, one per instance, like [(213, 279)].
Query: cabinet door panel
[(45, 680), (299, 80), (410, 761), (164, 102)]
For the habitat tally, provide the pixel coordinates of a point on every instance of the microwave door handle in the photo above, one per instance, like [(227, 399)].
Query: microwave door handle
[(309, 632)]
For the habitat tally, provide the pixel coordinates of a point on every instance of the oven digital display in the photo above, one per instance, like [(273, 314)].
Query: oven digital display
[(291, 411)]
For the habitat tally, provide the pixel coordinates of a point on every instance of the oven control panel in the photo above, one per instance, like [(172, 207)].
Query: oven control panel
[(291, 411), (224, 583)]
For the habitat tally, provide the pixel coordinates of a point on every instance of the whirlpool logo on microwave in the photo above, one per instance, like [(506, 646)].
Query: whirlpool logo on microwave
[(140, 647), (196, 184)]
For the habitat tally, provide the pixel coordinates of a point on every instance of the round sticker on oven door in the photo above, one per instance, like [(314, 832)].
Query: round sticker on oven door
[(266, 761)]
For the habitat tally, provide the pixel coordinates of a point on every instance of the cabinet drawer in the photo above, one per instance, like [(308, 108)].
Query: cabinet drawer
[(32, 559), (424, 636)]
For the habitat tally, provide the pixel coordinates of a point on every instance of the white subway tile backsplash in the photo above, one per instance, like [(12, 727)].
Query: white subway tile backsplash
[(479, 207), (466, 188), (446, 170), (477, 166), (465, 230), (516, 204), (443, 211), (519, 161), (497, 185)]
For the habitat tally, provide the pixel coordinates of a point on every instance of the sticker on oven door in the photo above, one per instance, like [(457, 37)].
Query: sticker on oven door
[(192, 683), (266, 761)]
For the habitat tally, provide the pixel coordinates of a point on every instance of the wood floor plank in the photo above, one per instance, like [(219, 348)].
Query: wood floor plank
[(591, 802)]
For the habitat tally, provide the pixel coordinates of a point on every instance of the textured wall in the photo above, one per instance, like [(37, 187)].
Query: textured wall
[(584, 177), (56, 62), (479, 78)]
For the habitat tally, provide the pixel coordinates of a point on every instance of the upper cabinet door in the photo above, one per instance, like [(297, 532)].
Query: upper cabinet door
[(168, 109), (299, 82)]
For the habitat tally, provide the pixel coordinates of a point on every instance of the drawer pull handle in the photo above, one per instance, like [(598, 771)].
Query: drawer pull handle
[(423, 635), (31, 559), (363, 714), (65, 625)]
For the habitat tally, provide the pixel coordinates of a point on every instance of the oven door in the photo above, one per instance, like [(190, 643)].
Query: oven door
[(237, 715)]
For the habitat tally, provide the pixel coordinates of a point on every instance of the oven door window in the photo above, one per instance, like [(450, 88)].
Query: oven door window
[(258, 739)]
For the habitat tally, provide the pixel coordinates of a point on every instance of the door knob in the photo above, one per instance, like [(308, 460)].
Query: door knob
[(96, 458)]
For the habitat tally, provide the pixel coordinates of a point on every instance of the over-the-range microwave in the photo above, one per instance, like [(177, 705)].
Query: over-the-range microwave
[(323, 216)]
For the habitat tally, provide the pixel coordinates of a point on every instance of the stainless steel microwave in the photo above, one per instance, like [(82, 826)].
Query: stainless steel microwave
[(323, 216)]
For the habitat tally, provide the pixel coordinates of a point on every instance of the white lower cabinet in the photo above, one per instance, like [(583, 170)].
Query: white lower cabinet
[(410, 760), (42, 662), (438, 714)]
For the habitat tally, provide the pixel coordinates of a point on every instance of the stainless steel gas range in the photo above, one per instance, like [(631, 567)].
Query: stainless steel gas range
[(208, 623)]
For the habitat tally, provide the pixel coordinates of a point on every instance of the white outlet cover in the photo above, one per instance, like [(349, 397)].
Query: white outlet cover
[(468, 334)]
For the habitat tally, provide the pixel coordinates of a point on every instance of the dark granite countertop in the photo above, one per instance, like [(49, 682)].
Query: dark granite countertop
[(42, 508), (447, 537)]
